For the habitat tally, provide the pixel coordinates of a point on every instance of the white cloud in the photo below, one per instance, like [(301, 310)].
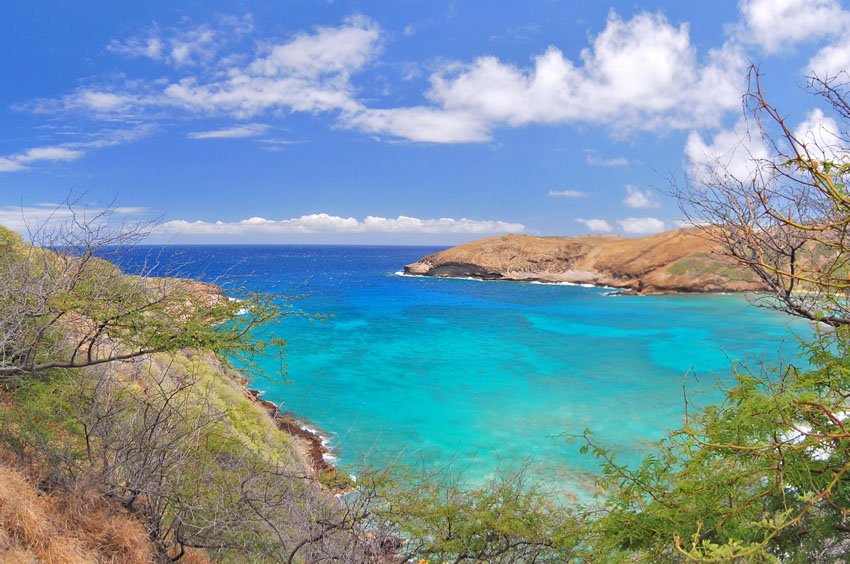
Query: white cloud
[(10, 165), (637, 198), (777, 25), (739, 155), (71, 151), (236, 132), (57, 153), (641, 225), (593, 158), (185, 46), (276, 145), (732, 154), (24, 218), (151, 46), (820, 136), (686, 223), (309, 73), (421, 124), (325, 223), (637, 74), (327, 51), (596, 225), (19, 161), (641, 73), (566, 194), (832, 60)]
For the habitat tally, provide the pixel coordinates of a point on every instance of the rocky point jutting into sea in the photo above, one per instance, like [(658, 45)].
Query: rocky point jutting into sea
[(683, 260)]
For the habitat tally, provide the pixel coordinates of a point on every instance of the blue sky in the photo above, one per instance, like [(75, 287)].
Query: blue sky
[(397, 122)]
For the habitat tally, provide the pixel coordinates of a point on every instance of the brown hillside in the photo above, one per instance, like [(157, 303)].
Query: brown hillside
[(675, 261), (77, 526)]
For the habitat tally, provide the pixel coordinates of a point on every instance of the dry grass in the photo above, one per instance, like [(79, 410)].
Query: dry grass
[(77, 526)]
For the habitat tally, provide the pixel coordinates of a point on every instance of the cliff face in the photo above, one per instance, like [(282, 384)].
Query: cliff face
[(675, 261)]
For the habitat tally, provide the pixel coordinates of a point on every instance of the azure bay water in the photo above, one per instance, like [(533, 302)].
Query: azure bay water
[(485, 375)]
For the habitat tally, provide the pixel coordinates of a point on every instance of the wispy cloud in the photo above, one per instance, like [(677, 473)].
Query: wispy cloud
[(277, 145), (30, 218), (593, 158), (566, 194), (73, 150), (185, 46), (235, 132)]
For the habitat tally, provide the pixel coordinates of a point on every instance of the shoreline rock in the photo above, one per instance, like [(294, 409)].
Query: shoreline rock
[(311, 445)]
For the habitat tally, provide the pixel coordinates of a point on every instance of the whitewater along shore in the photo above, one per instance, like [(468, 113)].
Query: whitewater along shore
[(679, 261), (311, 446)]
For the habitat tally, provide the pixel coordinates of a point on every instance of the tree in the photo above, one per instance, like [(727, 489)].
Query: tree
[(764, 475), (786, 215), (64, 306)]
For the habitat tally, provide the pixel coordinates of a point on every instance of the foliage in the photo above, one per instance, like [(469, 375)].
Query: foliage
[(71, 309), (786, 215), (506, 520), (123, 383), (762, 476)]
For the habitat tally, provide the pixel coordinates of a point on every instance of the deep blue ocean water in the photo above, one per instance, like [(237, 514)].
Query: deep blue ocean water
[(485, 375)]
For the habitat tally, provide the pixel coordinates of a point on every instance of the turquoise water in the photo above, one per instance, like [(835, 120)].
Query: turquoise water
[(487, 375)]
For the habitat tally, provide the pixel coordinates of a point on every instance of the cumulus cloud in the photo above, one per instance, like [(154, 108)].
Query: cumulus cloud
[(641, 225), (637, 198), (236, 132), (566, 194), (596, 225), (831, 60), (641, 73), (776, 25), (326, 223), (731, 154)]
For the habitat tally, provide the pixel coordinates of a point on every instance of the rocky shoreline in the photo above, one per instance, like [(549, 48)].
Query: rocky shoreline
[(311, 445)]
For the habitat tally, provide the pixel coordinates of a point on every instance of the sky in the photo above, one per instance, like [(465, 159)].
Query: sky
[(432, 122)]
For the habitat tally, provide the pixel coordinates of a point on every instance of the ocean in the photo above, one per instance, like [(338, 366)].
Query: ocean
[(482, 377)]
